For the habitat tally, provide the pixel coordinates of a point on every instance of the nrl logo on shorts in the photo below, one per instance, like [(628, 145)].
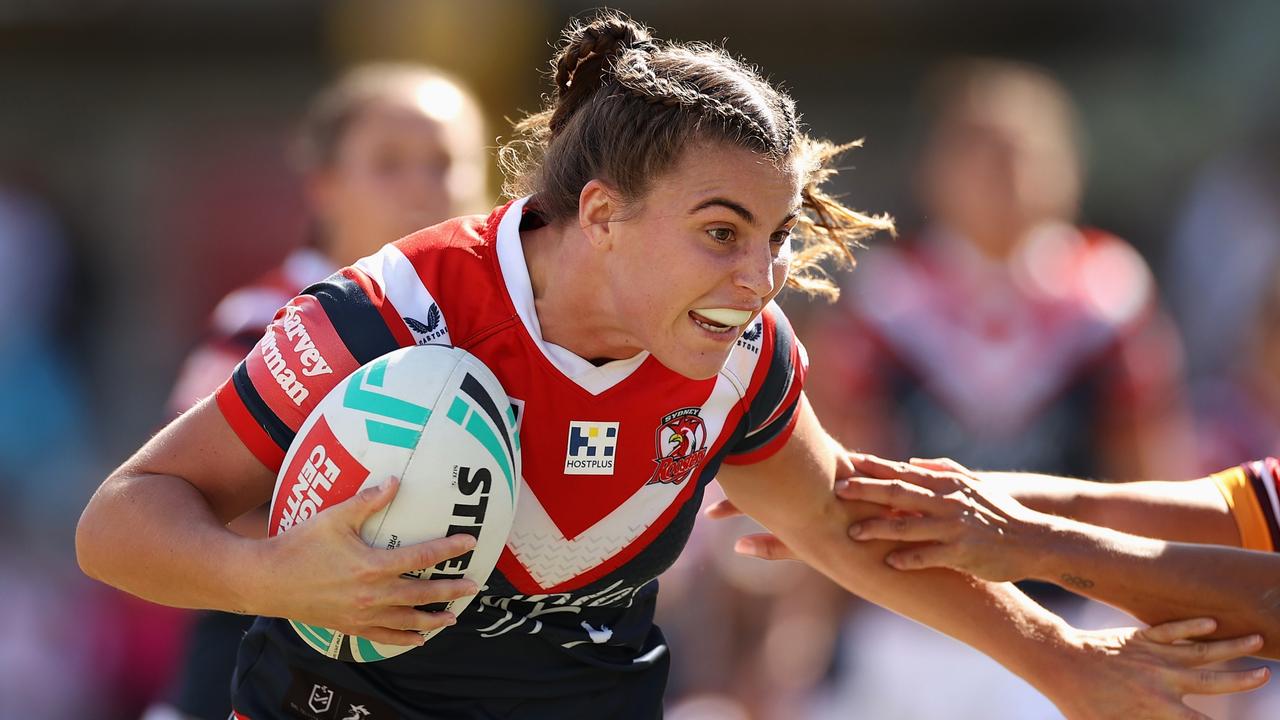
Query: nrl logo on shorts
[(681, 446)]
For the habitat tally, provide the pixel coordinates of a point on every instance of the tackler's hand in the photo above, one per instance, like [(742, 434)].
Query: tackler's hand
[(1144, 673), (948, 518)]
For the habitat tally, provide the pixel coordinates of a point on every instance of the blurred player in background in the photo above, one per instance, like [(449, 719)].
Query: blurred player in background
[(42, 404), (1000, 333), (386, 150), (1238, 406)]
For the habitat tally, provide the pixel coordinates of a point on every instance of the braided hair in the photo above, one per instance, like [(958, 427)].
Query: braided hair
[(625, 106)]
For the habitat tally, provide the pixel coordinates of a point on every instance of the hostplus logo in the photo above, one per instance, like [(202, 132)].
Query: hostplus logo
[(431, 330), (591, 448)]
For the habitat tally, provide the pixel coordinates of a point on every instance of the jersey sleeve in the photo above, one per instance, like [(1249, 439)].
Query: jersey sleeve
[(317, 339), (1252, 491), (774, 395)]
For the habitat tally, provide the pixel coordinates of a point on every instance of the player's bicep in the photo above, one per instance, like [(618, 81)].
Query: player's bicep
[(201, 448)]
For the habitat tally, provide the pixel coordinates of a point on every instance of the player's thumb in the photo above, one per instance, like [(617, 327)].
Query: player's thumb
[(722, 509), (370, 500), (764, 546)]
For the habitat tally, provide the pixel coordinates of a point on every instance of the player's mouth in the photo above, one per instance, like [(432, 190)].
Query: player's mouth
[(721, 321)]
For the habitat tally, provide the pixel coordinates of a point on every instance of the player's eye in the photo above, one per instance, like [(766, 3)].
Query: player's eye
[(722, 235), (388, 164)]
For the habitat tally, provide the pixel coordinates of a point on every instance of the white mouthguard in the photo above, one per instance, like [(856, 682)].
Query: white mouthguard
[(725, 316)]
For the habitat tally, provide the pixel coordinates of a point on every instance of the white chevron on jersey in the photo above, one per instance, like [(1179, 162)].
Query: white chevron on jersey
[(391, 270), (934, 344), (551, 558)]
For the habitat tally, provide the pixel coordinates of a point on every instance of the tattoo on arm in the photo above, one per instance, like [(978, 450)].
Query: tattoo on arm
[(1077, 581)]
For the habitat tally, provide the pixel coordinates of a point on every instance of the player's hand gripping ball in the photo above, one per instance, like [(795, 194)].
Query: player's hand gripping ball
[(436, 418)]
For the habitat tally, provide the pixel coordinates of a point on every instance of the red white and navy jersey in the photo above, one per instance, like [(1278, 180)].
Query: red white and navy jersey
[(1252, 491), (1011, 363), (615, 456), (238, 321)]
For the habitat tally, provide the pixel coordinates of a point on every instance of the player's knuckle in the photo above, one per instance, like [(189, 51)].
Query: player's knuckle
[(434, 592), (364, 600), (409, 620), (463, 588), (430, 553), (370, 571), (429, 596)]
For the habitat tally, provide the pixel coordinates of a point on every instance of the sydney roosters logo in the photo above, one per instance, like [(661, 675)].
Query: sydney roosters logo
[(681, 446)]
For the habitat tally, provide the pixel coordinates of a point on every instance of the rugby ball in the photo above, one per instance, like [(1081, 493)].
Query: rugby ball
[(435, 417)]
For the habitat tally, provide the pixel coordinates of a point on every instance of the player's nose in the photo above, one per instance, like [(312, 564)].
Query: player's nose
[(754, 270)]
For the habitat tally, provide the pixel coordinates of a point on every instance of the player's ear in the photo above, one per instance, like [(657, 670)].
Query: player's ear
[(598, 206)]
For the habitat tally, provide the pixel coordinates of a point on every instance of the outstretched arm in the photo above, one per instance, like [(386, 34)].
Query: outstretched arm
[(971, 525), (1191, 511), (791, 494)]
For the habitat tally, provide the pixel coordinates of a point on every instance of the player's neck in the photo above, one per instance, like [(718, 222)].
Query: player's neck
[(573, 306)]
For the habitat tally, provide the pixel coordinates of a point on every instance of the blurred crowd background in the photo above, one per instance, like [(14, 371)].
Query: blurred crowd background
[(1084, 283)]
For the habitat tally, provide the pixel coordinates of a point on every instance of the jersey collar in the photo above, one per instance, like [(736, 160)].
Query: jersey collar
[(515, 275)]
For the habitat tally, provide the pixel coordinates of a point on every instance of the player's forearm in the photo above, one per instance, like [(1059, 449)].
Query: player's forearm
[(1190, 511), (791, 494), (154, 536), (994, 618), (1158, 581), (1066, 497)]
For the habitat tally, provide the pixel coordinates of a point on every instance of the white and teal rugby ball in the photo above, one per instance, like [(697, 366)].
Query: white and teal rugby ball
[(436, 418)]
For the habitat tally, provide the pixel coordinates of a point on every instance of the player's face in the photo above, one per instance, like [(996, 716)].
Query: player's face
[(703, 253), (396, 169), (995, 171)]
